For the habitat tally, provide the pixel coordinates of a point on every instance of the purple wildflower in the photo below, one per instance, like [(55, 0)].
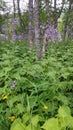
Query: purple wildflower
[(52, 34), (15, 22), (14, 37), (13, 84)]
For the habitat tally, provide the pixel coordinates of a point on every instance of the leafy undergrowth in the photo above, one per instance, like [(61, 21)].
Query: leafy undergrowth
[(36, 95)]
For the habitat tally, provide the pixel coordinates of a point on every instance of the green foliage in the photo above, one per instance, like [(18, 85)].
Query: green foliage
[(25, 21), (64, 120), (51, 124), (43, 16), (41, 87), (17, 125)]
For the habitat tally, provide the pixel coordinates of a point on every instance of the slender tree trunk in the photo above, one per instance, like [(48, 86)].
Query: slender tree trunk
[(30, 20), (67, 18), (37, 27), (14, 7), (49, 23), (48, 10), (55, 14), (19, 14), (60, 11)]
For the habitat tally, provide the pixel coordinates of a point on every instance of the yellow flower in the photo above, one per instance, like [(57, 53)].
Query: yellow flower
[(4, 97), (12, 118), (45, 107)]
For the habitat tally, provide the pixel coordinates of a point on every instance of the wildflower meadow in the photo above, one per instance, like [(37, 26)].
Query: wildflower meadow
[(36, 95)]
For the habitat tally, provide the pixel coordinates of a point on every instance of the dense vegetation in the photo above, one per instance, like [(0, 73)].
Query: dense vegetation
[(36, 95), (36, 65)]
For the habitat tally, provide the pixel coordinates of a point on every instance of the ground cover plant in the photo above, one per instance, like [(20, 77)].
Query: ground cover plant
[(36, 95)]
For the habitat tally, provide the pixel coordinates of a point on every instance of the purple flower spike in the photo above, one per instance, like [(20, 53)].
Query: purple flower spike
[(14, 37), (13, 84), (53, 34), (15, 22)]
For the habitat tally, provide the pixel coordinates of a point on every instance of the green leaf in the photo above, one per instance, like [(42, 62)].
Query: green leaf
[(16, 76), (64, 111), (35, 120), (28, 127), (17, 125), (12, 100), (51, 124), (65, 118), (20, 108), (62, 98), (25, 118), (31, 127), (69, 121)]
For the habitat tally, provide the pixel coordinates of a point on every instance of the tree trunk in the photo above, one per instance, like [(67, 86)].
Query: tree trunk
[(60, 11), (55, 14), (37, 27), (67, 18), (30, 20), (19, 14), (49, 23), (48, 10), (15, 32)]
